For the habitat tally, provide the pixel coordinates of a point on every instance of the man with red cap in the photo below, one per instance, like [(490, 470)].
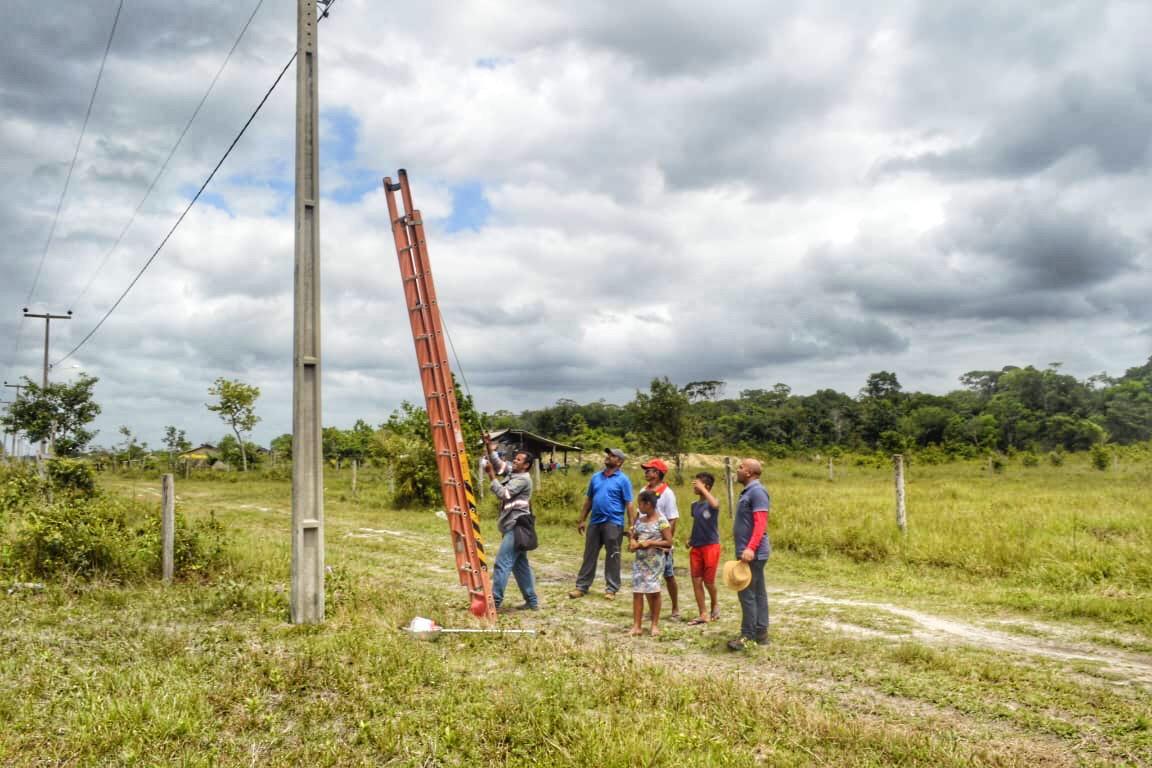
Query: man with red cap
[(654, 472)]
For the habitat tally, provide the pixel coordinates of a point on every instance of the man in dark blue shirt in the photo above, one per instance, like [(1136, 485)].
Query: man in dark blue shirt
[(750, 530), (609, 501)]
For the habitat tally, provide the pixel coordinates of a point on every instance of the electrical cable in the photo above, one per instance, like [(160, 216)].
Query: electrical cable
[(67, 181), (155, 253), (167, 160), (463, 378)]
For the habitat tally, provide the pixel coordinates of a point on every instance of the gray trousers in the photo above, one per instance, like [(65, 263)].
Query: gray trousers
[(754, 604), (604, 536)]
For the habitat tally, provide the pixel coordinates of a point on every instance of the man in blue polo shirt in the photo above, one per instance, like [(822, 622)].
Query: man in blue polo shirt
[(609, 500)]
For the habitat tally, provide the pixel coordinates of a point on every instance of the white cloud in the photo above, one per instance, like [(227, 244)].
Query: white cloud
[(737, 193)]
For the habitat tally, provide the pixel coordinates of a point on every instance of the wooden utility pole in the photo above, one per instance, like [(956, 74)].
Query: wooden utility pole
[(307, 591), (901, 513), (48, 318)]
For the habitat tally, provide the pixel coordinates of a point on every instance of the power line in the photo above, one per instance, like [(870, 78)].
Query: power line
[(327, 6), (164, 167), (67, 181), (75, 154)]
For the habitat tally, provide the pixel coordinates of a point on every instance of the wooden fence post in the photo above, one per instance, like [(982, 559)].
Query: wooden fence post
[(901, 512), (728, 485), (168, 527), (355, 468), (831, 470)]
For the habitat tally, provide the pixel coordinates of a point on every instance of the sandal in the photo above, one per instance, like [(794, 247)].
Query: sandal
[(697, 621), (714, 617)]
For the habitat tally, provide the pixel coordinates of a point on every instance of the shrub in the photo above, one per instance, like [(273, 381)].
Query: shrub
[(109, 537), (20, 489), (1100, 457), (557, 501), (72, 477), (1029, 459), (1056, 458), (82, 539)]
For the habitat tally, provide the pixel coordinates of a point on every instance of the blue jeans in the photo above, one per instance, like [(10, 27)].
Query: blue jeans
[(754, 603), (508, 560)]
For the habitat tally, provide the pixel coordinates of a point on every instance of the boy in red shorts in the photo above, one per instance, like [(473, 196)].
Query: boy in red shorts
[(705, 546)]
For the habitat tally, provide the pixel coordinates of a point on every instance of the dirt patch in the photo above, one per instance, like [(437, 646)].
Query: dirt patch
[(1055, 642)]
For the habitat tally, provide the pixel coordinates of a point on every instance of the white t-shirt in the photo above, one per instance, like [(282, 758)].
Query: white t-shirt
[(665, 503)]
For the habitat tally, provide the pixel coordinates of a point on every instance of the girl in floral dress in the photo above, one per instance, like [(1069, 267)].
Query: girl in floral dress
[(651, 538)]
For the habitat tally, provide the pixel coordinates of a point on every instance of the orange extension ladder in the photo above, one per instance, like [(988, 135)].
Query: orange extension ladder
[(440, 397)]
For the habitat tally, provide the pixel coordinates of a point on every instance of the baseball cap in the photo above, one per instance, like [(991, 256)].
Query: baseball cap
[(617, 453), (655, 464)]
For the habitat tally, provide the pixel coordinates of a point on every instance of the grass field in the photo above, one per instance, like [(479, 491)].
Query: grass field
[(1012, 625)]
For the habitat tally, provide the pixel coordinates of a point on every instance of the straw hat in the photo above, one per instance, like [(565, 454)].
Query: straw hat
[(737, 575)]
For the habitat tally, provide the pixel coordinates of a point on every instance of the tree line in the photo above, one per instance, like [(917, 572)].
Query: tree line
[(1011, 409)]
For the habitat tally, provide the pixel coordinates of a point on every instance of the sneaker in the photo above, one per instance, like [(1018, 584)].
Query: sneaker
[(576, 593), (609, 595), (739, 643), (527, 607)]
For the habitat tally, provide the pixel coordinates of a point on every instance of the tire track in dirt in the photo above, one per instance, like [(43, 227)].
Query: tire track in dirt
[(1129, 668)]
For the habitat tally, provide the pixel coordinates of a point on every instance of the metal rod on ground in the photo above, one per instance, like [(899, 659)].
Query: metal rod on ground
[(728, 485), (901, 513), (168, 527)]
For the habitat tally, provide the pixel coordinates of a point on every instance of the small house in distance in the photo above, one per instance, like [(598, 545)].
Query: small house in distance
[(201, 456), (545, 448)]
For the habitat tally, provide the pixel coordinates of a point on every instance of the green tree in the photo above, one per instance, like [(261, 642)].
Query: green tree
[(282, 447), (661, 418), (232, 451), (59, 413), (406, 444), (176, 442), (235, 405)]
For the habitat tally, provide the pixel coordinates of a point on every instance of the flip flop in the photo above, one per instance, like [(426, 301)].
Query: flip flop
[(697, 622)]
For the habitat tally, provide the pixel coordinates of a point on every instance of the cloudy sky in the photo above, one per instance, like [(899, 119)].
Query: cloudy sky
[(756, 192)]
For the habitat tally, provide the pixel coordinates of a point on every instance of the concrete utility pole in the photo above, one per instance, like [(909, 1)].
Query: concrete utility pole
[(48, 318), (4, 445), (15, 433), (307, 594)]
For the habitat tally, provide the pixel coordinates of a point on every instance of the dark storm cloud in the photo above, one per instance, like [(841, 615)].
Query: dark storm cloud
[(1041, 244), (1109, 123), (1008, 256), (674, 38)]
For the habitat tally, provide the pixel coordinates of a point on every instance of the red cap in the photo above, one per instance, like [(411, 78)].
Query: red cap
[(655, 464)]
